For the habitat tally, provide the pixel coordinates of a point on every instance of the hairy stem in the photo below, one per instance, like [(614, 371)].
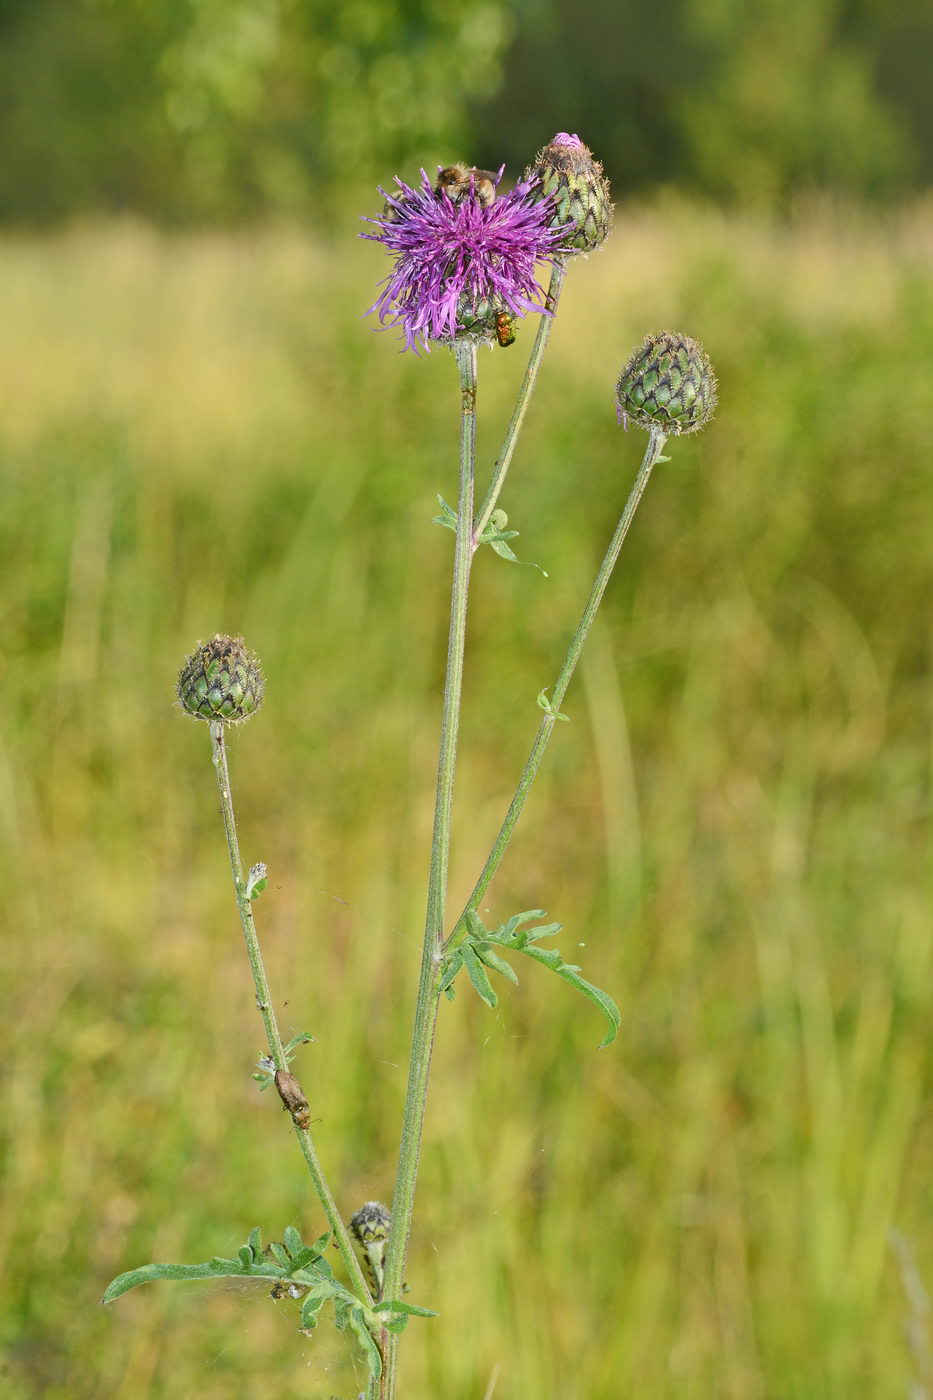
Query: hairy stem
[(428, 986), (546, 727), (521, 404), (266, 1011)]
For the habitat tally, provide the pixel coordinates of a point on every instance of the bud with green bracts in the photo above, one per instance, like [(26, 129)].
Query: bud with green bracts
[(370, 1226), (221, 680), (668, 385), (567, 172)]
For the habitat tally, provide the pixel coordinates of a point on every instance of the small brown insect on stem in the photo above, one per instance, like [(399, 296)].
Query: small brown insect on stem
[(293, 1098)]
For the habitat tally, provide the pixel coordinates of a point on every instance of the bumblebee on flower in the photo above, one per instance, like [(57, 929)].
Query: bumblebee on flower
[(463, 254)]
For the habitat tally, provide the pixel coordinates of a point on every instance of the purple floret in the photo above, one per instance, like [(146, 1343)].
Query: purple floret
[(449, 252)]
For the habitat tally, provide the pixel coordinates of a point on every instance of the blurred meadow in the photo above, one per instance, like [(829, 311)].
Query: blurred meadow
[(198, 432)]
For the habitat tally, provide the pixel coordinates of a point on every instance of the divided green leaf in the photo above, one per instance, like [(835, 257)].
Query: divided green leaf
[(397, 1307), (292, 1240), (450, 972), (496, 535), (478, 975), (310, 1279), (477, 953), (448, 516), (212, 1269), (485, 953)]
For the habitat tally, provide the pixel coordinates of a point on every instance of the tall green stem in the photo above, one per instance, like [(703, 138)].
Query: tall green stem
[(546, 727), (267, 1012), (428, 988), (504, 459)]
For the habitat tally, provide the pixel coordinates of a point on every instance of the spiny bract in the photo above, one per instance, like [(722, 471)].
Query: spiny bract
[(566, 172), (668, 384), (221, 680)]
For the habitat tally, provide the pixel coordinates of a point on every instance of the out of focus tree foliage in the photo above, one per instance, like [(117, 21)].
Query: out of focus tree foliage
[(224, 110), (748, 100)]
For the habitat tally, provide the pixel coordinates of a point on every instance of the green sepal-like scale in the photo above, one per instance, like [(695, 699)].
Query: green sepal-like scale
[(221, 680), (668, 384), (573, 178), (481, 321)]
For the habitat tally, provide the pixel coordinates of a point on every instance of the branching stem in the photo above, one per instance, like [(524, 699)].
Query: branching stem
[(556, 696), (558, 271), (267, 1012)]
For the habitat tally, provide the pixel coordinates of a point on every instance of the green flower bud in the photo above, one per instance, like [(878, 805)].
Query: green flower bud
[(371, 1222), (222, 680), (369, 1226), (567, 171), (668, 384)]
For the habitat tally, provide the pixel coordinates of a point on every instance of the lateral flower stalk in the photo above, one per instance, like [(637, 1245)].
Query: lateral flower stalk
[(223, 678)]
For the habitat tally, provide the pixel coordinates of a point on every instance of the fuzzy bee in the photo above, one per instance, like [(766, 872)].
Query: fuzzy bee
[(505, 328), (458, 181)]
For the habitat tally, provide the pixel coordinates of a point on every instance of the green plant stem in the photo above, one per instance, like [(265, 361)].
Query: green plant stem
[(652, 453), (266, 1011), (558, 271), (428, 986)]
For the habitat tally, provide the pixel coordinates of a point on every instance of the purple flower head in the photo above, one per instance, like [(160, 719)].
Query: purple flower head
[(457, 255)]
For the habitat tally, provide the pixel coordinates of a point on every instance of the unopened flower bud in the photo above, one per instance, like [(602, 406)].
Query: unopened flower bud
[(370, 1226), (569, 173), (371, 1222), (222, 680), (668, 384)]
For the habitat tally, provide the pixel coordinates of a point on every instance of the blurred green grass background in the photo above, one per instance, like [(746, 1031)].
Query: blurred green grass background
[(198, 433)]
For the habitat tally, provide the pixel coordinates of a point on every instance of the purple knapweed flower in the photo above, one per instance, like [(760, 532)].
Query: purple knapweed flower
[(457, 257)]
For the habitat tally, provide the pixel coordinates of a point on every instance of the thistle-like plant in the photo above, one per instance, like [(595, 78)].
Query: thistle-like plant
[(464, 272)]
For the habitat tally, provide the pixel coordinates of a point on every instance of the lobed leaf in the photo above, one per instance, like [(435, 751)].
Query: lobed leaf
[(280, 1255), (292, 1240), (450, 972), (303, 1257), (448, 516), (214, 1268), (309, 1310), (478, 975), (570, 973), (396, 1307), (486, 954), (358, 1325)]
